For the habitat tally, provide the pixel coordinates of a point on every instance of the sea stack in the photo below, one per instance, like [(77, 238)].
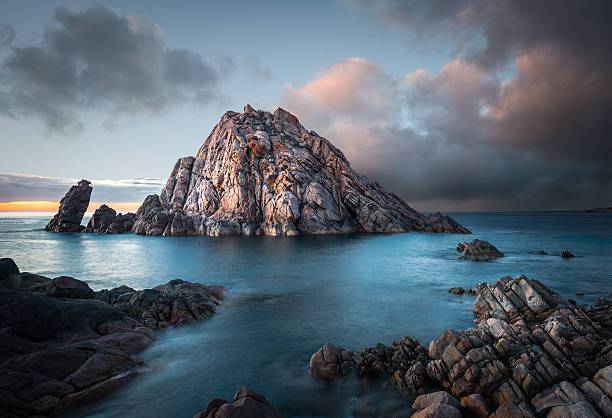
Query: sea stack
[(264, 173), (72, 208)]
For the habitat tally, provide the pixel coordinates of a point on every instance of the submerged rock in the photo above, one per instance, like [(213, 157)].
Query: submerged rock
[(478, 248), (62, 344), (531, 354), (263, 173), (72, 208), (247, 404)]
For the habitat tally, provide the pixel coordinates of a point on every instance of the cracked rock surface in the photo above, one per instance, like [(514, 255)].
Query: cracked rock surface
[(264, 173), (532, 353)]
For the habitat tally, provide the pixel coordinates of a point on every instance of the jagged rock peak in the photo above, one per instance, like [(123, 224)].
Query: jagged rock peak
[(264, 173), (72, 208)]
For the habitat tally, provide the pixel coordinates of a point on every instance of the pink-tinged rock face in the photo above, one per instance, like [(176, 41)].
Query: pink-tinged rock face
[(264, 173)]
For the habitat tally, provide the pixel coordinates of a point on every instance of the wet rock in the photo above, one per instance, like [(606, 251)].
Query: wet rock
[(263, 173), (61, 347), (461, 291), (541, 252), (331, 361), (530, 353), (69, 287), (567, 254), (9, 274), (72, 208), (478, 248), (174, 303), (247, 403)]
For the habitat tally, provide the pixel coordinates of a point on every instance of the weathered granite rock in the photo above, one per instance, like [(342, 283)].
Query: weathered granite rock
[(263, 173), (71, 210), (60, 347), (478, 248), (174, 303), (531, 353), (247, 404), (331, 361)]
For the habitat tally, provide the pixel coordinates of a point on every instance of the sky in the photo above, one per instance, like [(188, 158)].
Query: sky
[(466, 105)]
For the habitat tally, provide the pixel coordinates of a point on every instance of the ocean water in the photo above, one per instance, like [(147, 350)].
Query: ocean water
[(290, 295)]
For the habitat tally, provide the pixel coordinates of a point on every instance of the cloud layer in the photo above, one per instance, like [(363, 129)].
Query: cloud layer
[(518, 119), (97, 59), (448, 140), (18, 187)]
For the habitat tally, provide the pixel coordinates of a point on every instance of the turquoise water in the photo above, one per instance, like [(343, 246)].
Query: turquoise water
[(290, 295)]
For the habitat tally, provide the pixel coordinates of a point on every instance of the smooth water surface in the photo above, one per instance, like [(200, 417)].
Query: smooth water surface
[(290, 295)]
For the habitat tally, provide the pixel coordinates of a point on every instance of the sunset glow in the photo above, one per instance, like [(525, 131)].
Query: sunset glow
[(43, 206)]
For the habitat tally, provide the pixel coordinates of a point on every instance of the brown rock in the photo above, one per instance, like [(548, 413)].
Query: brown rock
[(331, 361), (247, 403)]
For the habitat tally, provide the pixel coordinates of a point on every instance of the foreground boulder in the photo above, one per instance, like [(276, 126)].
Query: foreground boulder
[(331, 361), (531, 354), (105, 220), (264, 173), (247, 404), (478, 249), (71, 210), (62, 344)]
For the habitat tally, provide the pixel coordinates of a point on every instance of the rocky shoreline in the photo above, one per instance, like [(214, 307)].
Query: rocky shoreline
[(531, 354), (64, 344)]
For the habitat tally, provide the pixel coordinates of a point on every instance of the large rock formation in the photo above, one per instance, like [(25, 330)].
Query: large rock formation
[(71, 210), (531, 354), (62, 344), (264, 173)]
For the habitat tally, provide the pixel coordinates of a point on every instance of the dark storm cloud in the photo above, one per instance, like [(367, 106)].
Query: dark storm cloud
[(518, 119), (18, 187), (7, 34), (255, 69), (557, 102), (428, 138), (98, 59)]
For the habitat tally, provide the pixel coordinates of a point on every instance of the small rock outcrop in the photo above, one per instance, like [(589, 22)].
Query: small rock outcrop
[(62, 344), (567, 254), (531, 354), (247, 404), (331, 361), (477, 249), (106, 220), (71, 210), (264, 173)]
